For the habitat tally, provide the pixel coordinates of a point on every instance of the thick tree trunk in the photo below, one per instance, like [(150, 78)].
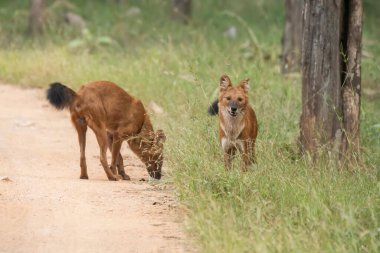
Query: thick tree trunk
[(331, 78), (181, 10), (36, 17), (292, 38), (352, 85)]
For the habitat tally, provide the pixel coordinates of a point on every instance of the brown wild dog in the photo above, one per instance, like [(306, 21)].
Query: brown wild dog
[(237, 121), (114, 116)]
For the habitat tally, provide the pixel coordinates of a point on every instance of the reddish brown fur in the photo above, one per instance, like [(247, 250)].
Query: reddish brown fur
[(115, 116), (238, 124)]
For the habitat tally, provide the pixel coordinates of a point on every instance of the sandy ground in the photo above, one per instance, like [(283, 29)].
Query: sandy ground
[(45, 207)]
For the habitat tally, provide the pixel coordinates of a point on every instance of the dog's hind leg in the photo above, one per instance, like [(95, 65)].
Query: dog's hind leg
[(81, 127)]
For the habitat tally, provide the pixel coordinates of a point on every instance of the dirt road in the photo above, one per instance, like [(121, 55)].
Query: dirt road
[(45, 207)]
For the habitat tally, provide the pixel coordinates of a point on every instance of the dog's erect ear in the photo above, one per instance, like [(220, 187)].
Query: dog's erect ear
[(245, 85), (224, 83), (160, 138)]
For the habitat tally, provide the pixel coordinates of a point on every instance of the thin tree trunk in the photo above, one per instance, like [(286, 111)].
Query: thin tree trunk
[(331, 78), (292, 38), (36, 17), (181, 10)]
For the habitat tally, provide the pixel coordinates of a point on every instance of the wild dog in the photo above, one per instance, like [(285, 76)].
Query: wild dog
[(237, 121), (114, 116)]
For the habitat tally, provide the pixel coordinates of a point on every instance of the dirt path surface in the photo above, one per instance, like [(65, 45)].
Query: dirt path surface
[(45, 207)]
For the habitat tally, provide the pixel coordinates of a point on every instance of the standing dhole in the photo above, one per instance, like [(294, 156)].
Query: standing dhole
[(237, 121), (114, 116)]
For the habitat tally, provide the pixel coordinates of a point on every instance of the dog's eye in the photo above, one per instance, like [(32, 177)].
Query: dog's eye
[(228, 98), (240, 99)]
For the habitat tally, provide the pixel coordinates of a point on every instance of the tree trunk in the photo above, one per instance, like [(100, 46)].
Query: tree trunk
[(181, 10), (292, 38), (352, 86), (331, 80), (36, 17)]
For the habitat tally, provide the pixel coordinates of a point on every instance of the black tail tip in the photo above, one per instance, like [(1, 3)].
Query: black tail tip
[(58, 95), (56, 86), (213, 109)]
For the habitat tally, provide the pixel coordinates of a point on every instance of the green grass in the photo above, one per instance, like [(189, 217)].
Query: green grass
[(284, 204)]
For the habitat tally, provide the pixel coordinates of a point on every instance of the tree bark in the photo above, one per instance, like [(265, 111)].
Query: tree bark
[(292, 38), (331, 80), (181, 10), (36, 17), (352, 85)]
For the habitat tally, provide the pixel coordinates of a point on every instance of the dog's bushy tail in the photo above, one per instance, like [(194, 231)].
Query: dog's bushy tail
[(213, 109), (60, 96)]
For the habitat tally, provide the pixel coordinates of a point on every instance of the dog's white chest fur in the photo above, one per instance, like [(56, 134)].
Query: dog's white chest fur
[(232, 128)]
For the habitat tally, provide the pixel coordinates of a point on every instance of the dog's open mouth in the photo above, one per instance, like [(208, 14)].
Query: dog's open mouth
[(233, 114)]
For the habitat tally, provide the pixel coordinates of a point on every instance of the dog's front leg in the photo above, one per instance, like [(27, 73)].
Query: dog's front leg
[(245, 150), (228, 155), (228, 152), (247, 155), (117, 160), (227, 161), (245, 161), (101, 136)]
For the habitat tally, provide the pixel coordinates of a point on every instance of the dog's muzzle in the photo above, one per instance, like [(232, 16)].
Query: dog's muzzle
[(233, 111)]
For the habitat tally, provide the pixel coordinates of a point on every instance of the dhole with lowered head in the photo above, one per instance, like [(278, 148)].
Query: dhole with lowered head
[(237, 121), (114, 116)]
